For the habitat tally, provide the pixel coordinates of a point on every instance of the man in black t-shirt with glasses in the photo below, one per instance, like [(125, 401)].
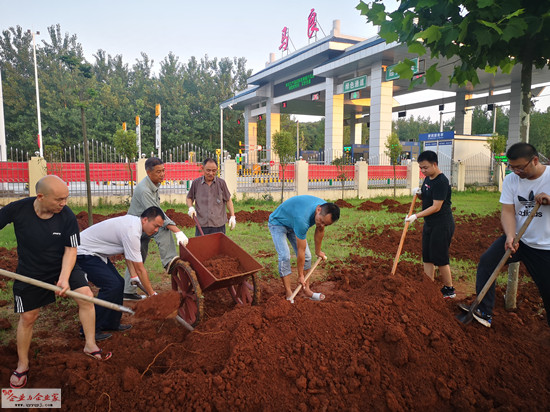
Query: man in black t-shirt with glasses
[(47, 238), (439, 225)]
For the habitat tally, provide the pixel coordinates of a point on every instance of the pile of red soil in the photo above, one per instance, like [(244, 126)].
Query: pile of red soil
[(342, 203), (223, 266), (159, 306), (82, 218), (369, 205), (473, 235), (180, 219), (256, 216)]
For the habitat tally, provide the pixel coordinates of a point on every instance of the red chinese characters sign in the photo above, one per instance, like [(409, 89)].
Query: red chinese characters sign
[(312, 24), (284, 40)]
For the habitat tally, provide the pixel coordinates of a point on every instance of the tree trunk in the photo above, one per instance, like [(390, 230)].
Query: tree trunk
[(87, 165), (513, 268)]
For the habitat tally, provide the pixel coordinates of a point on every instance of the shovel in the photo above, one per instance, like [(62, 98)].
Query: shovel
[(70, 293), (467, 317), (198, 225), (291, 298), (396, 260)]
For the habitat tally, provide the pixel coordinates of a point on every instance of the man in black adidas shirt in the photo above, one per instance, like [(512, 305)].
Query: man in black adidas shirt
[(439, 225), (47, 237)]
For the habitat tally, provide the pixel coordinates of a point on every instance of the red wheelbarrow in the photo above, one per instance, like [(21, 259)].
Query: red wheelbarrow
[(191, 279)]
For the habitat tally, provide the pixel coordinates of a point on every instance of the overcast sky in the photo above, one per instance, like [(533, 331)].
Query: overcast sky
[(239, 28)]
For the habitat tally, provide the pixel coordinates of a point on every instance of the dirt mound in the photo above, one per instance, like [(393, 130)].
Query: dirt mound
[(223, 266), (369, 205), (159, 306), (180, 219), (390, 202), (342, 203), (256, 216), (82, 218)]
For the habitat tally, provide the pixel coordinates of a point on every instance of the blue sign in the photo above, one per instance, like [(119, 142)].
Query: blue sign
[(425, 137)]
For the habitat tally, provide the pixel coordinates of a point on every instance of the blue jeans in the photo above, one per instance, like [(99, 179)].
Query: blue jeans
[(280, 234)]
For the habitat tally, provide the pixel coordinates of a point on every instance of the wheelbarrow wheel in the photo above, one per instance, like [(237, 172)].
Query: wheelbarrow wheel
[(247, 292), (184, 280)]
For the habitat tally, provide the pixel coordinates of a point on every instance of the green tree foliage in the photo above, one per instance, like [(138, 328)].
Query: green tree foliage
[(484, 34), (284, 145), (409, 128), (393, 150), (112, 92)]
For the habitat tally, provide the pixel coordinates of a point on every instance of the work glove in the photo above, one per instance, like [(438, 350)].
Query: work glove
[(192, 212), (232, 222), (416, 191), (411, 218), (135, 281), (180, 236)]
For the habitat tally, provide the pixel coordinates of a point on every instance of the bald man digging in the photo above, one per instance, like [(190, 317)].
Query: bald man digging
[(47, 238)]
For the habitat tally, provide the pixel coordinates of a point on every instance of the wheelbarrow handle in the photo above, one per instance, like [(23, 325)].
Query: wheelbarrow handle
[(70, 293)]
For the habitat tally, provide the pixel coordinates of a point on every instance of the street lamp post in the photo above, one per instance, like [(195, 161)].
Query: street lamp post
[(40, 146)]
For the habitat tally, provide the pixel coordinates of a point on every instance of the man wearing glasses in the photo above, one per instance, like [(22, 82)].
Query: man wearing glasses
[(521, 190)]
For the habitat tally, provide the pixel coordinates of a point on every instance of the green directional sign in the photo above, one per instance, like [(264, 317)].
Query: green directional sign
[(355, 84), (391, 75)]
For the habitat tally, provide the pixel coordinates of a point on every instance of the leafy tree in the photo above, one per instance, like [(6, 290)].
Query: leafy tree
[(393, 150), (284, 145), (125, 144), (484, 34), (409, 128), (341, 164)]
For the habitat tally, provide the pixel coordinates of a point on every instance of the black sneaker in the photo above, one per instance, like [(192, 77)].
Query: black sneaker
[(133, 296), (121, 328), (99, 336), (448, 292), (484, 318)]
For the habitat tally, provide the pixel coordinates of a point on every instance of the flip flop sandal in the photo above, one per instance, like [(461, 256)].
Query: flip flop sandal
[(317, 296), (99, 352), (20, 375)]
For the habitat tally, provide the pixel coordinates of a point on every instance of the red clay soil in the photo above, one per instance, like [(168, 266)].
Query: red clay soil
[(159, 306), (369, 205), (342, 203), (377, 342), (256, 216), (223, 266)]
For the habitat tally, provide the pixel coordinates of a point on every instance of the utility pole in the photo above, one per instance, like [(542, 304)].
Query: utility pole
[(40, 145)]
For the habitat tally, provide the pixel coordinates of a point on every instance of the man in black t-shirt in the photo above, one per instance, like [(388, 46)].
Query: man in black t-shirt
[(47, 237), (439, 225)]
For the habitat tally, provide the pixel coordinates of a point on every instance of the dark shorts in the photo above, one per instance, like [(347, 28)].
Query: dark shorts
[(29, 297), (436, 240)]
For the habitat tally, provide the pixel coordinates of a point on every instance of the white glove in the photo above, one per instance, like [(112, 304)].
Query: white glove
[(181, 238), (154, 294), (192, 212), (135, 281), (416, 191), (232, 222), (411, 218)]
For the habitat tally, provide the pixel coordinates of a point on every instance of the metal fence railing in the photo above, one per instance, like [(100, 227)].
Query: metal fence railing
[(266, 177), (478, 170)]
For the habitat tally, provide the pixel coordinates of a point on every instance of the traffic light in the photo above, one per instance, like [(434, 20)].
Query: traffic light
[(260, 117), (157, 110), (241, 147), (137, 120), (238, 121), (124, 126), (283, 105)]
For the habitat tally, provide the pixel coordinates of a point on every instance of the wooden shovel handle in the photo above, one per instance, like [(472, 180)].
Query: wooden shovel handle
[(198, 225), (291, 298), (396, 260), (70, 293), (507, 254)]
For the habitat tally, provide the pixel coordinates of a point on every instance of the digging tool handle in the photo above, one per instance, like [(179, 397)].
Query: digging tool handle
[(291, 298), (396, 260), (70, 293), (198, 225), (502, 262)]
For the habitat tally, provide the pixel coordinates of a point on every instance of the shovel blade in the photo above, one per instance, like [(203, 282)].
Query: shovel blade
[(465, 318)]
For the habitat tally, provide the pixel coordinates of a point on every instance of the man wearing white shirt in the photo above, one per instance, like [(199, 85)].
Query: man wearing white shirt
[(521, 190), (119, 235)]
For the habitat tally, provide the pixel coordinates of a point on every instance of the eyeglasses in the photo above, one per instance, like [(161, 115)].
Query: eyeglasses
[(519, 169)]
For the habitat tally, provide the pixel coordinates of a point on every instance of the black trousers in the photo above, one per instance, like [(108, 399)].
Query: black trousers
[(537, 262)]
